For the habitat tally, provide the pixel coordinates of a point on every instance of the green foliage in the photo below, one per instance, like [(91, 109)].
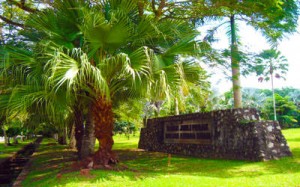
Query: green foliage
[(287, 104), (269, 63), (79, 51), (255, 98), (47, 130), (286, 110), (124, 127), (13, 131), (287, 101), (130, 111), (274, 18), (220, 102)]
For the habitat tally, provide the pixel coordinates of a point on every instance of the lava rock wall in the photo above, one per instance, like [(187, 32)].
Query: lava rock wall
[(227, 134)]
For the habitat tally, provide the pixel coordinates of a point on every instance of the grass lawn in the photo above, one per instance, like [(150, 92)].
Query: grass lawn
[(152, 169), (8, 151)]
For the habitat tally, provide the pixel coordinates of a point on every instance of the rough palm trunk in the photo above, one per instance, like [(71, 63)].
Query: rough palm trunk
[(141, 5), (158, 11), (235, 66), (72, 143), (84, 133), (88, 139), (62, 136), (78, 129), (103, 118)]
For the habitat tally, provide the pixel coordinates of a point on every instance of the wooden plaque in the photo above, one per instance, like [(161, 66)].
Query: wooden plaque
[(188, 132)]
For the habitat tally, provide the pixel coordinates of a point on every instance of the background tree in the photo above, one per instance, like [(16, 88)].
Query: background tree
[(13, 132), (253, 98), (287, 111), (129, 116), (274, 18), (124, 127), (270, 63)]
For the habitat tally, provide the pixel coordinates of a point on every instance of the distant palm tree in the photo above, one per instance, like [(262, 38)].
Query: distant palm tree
[(270, 63), (269, 17)]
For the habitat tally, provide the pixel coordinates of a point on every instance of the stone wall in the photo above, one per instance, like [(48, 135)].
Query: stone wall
[(228, 134)]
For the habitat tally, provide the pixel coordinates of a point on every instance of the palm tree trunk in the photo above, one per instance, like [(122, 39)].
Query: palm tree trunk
[(6, 140), (176, 106), (2, 119), (235, 66), (103, 118), (78, 129), (62, 136), (273, 93), (72, 143), (88, 140), (141, 5)]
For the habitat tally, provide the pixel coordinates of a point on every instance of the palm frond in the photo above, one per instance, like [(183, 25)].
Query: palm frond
[(74, 70)]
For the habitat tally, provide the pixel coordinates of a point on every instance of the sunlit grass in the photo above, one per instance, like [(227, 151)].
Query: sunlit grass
[(146, 169), (123, 142)]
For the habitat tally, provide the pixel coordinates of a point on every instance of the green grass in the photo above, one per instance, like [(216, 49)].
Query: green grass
[(152, 169), (122, 142), (8, 151)]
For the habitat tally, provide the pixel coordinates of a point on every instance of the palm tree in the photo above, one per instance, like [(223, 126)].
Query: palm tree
[(96, 54), (270, 17), (269, 63), (24, 91)]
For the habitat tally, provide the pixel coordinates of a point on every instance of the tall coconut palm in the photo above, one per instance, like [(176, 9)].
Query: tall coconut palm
[(96, 54)]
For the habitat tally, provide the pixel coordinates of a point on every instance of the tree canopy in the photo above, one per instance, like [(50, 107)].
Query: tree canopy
[(73, 63), (82, 58)]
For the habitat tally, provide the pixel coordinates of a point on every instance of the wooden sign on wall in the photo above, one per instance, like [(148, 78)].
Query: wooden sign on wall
[(192, 132)]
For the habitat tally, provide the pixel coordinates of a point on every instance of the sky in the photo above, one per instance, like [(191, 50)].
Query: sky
[(255, 42)]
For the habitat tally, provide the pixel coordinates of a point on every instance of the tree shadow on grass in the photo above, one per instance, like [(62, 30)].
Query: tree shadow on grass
[(154, 163), (138, 164), (47, 162), (159, 163)]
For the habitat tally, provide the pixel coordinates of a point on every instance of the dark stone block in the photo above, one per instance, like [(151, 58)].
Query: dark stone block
[(228, 134)]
